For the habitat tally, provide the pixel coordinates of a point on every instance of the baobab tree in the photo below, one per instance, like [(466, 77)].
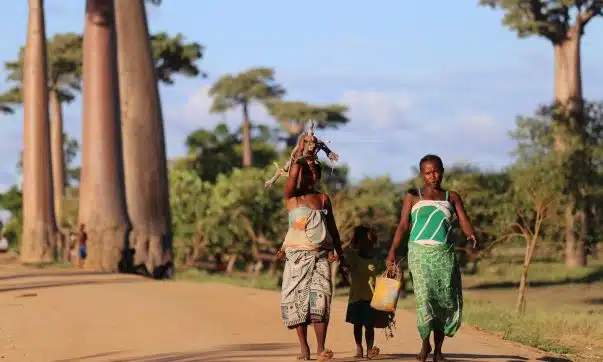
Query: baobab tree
[(563, 23), (102, 198), (241, 90), (292, 116), (145, 165), (64, 52), (39, 236)]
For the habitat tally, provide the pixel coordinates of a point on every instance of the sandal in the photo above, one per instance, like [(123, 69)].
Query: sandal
[(374, 352), (325, 355)]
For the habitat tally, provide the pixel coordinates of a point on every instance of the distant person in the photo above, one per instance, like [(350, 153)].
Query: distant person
[(427, 216), (82, 239), (4, 244), (363, 265), (308, 248)]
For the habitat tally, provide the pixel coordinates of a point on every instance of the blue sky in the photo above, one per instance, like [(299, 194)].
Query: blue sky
[(447, 79)]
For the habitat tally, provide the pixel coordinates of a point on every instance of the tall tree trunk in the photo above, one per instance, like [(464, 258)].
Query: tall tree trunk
[(247, 152), (39, 237), (102, 202), (145, 166), (568, 94), (57, 155)]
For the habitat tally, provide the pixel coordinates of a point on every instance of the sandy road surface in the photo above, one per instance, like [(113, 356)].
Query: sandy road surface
[(68, 316)]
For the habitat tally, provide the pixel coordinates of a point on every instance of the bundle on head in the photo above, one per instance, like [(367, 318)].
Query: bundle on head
[(311, 149)]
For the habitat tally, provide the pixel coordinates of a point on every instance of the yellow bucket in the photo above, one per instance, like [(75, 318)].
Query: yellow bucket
[(385, 294)]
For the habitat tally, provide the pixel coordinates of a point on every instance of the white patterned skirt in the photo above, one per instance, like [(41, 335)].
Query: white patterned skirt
[(307, 289)]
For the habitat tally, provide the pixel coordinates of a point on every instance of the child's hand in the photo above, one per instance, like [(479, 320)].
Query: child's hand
[(474, 240), (391, 258), (280, 254), (332, 257)]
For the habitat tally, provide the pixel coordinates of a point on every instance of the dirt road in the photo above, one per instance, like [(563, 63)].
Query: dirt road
[(68, 316)]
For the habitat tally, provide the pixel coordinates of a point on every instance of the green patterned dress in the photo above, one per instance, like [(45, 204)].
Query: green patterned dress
[(434, 269)]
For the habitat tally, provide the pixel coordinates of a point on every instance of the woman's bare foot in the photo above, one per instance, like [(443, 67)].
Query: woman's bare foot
[(305, 353), (373, 352), (439, 357), (325, 355), (359, 352), (425, 351)]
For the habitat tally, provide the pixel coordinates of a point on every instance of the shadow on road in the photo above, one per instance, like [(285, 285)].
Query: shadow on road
[(42, 285), (458, 357), (593, 277), (230, 353), (271, 351), (47, 274), (594, 301)]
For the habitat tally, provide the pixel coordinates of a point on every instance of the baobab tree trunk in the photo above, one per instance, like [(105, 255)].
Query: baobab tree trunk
[(57, 156), (568, 94), (145, 166), (247, 151), (102, 202), (39, 238)]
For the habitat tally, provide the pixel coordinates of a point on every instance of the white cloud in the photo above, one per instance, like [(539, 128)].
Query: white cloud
[(195, 112), (380, 110)]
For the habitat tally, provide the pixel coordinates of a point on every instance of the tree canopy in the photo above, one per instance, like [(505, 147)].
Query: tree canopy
[(550, 19), (219, 151), (293, 115), (171, 53), (255, 84)]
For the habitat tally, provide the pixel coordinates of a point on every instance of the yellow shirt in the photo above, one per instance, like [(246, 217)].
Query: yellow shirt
[(362, 274)]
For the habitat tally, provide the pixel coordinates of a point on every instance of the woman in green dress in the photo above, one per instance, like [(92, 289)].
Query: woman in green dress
[(425, 221)]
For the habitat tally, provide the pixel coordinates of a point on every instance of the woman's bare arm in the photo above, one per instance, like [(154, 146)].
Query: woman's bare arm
[(403, 228), (464, 221), (291, 183), (332, 228)]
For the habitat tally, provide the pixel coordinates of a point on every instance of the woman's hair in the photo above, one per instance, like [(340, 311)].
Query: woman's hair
[(361, 232), (316, 169), (431, 158)]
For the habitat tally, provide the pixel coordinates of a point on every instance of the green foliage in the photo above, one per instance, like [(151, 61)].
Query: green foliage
[(173, 56), (226, 217), (219, 151), (71, 147), (374, 202), (12, 201), (252, 85), (246, 211), (65, 60), (486, 200), (550, 19), (64, 68), (581, 164), (189, 202), (294, 114)]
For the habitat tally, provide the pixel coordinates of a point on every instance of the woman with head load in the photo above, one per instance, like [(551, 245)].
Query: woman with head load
[(427, 216), (308, 248)]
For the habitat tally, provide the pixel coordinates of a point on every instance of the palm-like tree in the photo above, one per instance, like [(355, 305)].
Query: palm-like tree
[(292, 116), (240, 90)]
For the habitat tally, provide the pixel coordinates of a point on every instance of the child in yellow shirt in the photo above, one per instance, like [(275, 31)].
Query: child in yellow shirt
[(363, 265)]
